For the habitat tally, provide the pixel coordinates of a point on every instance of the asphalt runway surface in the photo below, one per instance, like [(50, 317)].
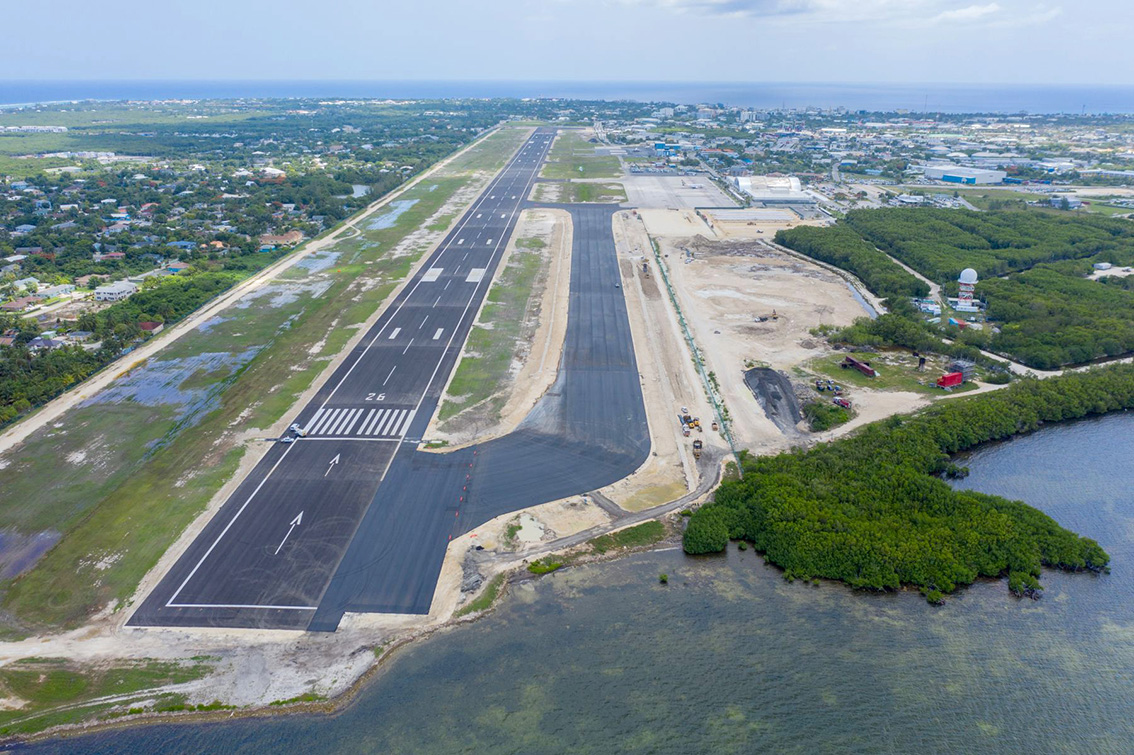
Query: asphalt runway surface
[(352, 517)]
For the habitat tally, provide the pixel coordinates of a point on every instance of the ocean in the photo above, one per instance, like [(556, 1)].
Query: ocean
[(729, 657), (930, 98)]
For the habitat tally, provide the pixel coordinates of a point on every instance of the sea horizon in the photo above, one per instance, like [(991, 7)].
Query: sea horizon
[(887, 97)]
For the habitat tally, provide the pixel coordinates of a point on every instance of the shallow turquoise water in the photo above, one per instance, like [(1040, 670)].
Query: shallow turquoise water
[(730, 658)]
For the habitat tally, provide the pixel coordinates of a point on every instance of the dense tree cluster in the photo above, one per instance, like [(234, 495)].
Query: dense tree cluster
[(940, 243), (1047, 318), (843, 247), (871, 511), (1045, 313)]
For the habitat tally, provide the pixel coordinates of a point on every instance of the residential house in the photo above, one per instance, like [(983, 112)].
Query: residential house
[(286, 239), (153, 328), (176, 267), (39, 343), (20, 304), (50, 292), (115, 291)]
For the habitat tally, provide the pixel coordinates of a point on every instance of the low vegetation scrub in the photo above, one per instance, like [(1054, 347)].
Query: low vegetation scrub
[(823, 416), (872, 511), (544, 565), (486, 598), (646, 533)]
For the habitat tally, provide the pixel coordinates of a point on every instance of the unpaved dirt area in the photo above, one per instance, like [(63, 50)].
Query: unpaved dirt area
[(756, 222), (675, 223), (751, 305), (669, 381)]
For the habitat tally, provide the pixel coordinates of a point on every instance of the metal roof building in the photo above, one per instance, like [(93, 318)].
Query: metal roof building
[(958, 175)]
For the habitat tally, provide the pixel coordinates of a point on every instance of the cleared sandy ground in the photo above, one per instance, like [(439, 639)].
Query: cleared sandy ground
[(759, 223), (723, 291), (669, 381)]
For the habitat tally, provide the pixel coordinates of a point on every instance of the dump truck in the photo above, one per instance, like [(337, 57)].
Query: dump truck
[(697, 445)]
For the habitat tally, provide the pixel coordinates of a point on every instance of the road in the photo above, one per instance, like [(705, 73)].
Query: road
[(352, 517), (53, 410)]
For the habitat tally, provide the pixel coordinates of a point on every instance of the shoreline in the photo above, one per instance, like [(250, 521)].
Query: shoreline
[(517, 573)]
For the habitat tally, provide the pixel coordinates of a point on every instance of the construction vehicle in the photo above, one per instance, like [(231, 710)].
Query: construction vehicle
[(697, 445), (715, 428), (950, 380)]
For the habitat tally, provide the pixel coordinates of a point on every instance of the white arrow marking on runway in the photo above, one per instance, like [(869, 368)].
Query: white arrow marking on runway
[(334, 461), (294, 523)]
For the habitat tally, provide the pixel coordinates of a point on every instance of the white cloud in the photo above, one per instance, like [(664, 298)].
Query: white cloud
[(871, 11), (970, 13)]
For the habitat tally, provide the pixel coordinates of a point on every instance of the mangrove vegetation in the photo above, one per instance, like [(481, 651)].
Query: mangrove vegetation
[(873, 511)]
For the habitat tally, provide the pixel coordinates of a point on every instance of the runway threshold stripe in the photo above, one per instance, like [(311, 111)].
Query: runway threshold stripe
[(378, 421), (404, 428), (378, 429), (373, 426), (311, 424), (350, 426), (334, 429), (323, 422), (397, 424), (342, 428), (389, 422), (366, 421)]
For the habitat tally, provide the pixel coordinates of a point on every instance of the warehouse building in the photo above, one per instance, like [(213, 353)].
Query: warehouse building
[(958, 175), (773, 189)]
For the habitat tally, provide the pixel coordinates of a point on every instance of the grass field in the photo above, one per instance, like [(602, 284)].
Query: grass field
[(495, 338), (56, 692), (575, 192), (572, 156), (120, 479), (897, 371)]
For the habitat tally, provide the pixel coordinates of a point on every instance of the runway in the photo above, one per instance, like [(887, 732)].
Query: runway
[(351, 517)]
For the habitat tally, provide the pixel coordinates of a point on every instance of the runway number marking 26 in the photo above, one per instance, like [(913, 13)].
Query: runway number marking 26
[(375, 396)]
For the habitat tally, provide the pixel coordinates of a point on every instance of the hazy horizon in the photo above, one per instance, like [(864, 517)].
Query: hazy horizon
[(733, 41)]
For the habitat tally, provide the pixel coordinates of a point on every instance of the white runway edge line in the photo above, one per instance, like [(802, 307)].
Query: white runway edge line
[(322, 407), (170, 603)]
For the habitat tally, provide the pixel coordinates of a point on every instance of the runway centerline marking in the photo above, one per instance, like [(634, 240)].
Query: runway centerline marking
[(390, 375), (337, 416), (407, 346)]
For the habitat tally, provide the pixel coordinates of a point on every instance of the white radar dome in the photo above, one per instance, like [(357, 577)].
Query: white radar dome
[(968, 275)]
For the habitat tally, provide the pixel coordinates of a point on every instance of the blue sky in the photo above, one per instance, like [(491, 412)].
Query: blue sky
[(993, 41)]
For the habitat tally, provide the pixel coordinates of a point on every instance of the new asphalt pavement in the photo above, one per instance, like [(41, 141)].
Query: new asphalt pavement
[(352, 516)]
